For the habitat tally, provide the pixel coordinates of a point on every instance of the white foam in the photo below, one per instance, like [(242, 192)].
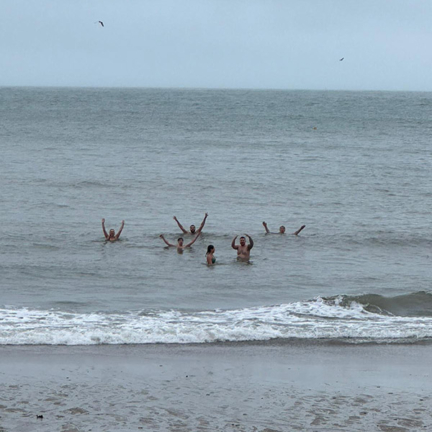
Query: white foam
[(304, 320)]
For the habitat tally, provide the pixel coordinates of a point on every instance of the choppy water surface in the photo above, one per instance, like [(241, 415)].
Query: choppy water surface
[(354, 167)]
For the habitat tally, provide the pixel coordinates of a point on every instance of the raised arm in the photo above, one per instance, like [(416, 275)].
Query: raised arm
[(120, 230), (298, 231), (266, 227), (202, 223), (233, 245), (193, 241), (180, 225), (104, 230), (163, 238), (251, 243)]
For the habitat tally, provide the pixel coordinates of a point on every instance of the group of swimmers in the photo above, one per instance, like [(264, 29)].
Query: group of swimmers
[(243, 248)]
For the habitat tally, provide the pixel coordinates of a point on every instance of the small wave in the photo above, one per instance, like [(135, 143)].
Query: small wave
[(418, 304), (92, 183), (382, 239), (336, 319), (45, 246)]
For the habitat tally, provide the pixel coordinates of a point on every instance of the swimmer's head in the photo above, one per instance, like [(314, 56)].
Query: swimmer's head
[(192, 229), (242, 241), (180, 241), (282, 230), (111, 233), (210, 249)]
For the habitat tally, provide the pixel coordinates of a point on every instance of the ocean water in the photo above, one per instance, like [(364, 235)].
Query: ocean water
[(354, 167)]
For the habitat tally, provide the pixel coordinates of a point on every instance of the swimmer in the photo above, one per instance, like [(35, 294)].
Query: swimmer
[(282, 229), (243, 249), (180, 243), (112, 236), (192, 228), (209, 255)]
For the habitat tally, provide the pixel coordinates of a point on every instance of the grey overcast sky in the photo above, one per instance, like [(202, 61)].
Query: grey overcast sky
[(283, 44)]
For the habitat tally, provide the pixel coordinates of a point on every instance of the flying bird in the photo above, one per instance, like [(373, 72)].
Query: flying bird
[(101, 23), (339, 60)]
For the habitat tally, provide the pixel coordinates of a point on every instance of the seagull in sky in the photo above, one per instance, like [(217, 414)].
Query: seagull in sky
[(101, 23), (339, 60)]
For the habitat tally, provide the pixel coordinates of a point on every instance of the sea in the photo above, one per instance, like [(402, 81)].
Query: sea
[(354, 167)]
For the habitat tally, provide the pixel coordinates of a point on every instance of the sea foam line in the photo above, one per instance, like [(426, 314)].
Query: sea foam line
[(303, 320)]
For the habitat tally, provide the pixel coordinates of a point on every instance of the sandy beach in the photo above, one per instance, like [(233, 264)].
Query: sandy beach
[(221, 387)]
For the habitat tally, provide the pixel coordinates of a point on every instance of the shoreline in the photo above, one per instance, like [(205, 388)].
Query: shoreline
[(247, 387)]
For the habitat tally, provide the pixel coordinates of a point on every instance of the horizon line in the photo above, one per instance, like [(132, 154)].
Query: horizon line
[(208, 88)]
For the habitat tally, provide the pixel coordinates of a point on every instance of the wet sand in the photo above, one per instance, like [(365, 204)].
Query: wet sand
[(222, 387)]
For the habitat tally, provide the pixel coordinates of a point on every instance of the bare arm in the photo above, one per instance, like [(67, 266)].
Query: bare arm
[(251, 243), (180, 226), (233, 245), (193, 241), (120, 230), (298, 231), (266, 227), (202, 223), (163, 238), (209, 259), (104, 230)]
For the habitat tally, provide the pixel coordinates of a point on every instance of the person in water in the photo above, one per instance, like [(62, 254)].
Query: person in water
[(282, 229), (112, 236), (209, 255), (243, 249), (192, 228), (180, 243)]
